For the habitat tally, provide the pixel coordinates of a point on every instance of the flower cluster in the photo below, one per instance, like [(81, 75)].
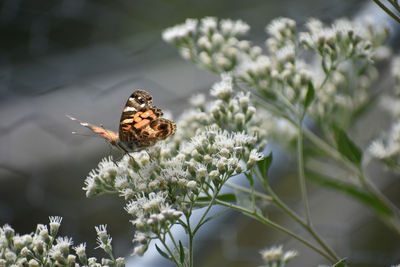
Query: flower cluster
[(211, 43), (342, 78), (346, 51), (283, 77), (276, 257), (42, 248), (387, 147), (214, 142)]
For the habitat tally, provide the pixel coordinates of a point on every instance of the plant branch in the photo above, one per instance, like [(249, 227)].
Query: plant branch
[(387, 10), (270, 223), (244, 189), (301, 174), (297, 218)]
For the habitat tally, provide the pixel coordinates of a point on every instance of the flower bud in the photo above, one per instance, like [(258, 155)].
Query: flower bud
[(214, 174), (192, 185)]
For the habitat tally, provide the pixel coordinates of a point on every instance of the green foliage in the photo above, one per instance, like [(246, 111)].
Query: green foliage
[(346, 146)]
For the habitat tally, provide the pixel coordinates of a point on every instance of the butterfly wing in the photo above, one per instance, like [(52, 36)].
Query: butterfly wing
[(137, 103), (110, 136), (154, 131), (140, 124)]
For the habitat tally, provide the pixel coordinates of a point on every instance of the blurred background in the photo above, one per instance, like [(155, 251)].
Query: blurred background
[(84, 58)]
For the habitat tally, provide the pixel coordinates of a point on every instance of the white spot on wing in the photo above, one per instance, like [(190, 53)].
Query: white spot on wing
[(130, 109), (84, 124)]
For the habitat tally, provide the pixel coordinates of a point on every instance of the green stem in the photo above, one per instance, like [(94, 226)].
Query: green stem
[(376, 192), (173, 239), (171, 254), (244, 189), (332, 152), (387, 10), (270, 223), (191, 234), (297, 218), (302, 177), (206, 211)]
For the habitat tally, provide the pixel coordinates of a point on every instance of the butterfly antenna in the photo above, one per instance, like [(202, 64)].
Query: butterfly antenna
[(72, 118)]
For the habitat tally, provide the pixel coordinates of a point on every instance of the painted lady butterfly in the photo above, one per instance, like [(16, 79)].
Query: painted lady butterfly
[(140, 126)]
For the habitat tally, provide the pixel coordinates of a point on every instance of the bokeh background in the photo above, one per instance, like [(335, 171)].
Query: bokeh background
[(84, 58)]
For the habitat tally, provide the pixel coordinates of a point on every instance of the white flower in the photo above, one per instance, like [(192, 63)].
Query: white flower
[(101, 230), (273, 253), (80, 250), (33, 263), (64, 243), (192, 185), (314, 25), (208, 24), (286, 53), (230, 27), (18, 241), (173, 34), (261, 66), (139, 250), (55, 222), (205, 58), (103, 238), (223, 89), (255, 156), (10, 256), (233, 163), (239, 117), (198, 100), (8, 231), (222, 61), (217, 38), (204, 43), (244, 98), (395, 68), (214, 174), (280, 27), (140, 238), (242, 139), (290, 254)]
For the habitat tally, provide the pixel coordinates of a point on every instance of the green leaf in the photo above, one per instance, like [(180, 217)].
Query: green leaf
[(181, 252), (204, 198), (249, 177), (310, 95), (341, 263), (263, 165), (162, 253), (367, 199), (229, 197), (347, 147)]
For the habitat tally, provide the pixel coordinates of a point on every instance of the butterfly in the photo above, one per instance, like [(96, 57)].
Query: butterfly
[(141, 124)]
